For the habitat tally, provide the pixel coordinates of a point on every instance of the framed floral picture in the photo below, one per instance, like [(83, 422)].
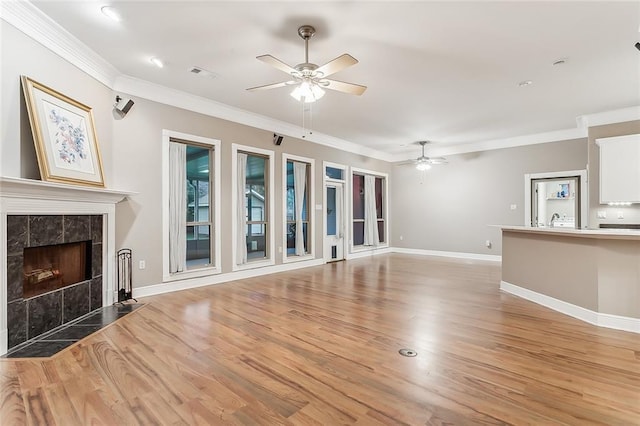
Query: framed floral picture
[(64, 135)]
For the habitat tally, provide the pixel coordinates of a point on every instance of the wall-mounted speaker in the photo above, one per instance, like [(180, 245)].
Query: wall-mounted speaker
[(123, 105), (277, 139)]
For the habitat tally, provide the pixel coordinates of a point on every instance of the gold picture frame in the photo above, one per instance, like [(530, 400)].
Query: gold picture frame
[(64, 135)]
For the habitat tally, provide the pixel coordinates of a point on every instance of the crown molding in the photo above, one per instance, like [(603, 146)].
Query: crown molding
[(177, 98), (538, 138), (34, 23), (609, 117)]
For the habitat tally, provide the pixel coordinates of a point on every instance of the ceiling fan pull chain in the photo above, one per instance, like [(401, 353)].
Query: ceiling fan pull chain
[(303, 127)]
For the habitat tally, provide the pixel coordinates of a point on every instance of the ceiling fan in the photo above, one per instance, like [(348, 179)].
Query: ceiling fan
[(423, 162), (309, 79)]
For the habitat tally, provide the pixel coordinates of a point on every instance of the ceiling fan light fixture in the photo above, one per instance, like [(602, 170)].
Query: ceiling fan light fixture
[(307, 92), (422, 166)]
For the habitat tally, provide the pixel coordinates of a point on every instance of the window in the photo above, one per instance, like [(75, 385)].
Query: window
[(252, 206), (298, 199), (199, 212), (369, 208), (255, 202), (191, 219), (334, 173)]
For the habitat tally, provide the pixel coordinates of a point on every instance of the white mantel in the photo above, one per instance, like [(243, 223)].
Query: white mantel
[(33, 197)]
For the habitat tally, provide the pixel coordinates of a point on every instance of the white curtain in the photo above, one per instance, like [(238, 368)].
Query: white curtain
[(371, 237), (299, 185), (177, 207), (241, 210)]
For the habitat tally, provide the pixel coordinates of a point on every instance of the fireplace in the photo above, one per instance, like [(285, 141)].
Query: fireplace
[(54, 272), (50, 268), (34, 213)]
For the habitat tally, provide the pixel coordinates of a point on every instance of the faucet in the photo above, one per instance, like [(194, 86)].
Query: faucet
[(553, 218)]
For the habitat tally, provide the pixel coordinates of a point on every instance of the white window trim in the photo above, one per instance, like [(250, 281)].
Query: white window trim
[(358, 171), (311, 231), (201, 272), (326, 164), (234, 205)]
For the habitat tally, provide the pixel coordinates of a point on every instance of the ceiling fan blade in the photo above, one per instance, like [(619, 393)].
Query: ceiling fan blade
[(404, 163), (277, 63), (271, 86), (437, 160), (341, 86), (337, 64)]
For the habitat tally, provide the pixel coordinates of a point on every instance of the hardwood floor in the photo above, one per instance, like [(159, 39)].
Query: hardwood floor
[(319, 346)]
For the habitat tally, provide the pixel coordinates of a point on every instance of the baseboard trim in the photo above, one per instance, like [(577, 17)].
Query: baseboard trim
[(596, 318), (454, 254), (368, 253), (186, 284)]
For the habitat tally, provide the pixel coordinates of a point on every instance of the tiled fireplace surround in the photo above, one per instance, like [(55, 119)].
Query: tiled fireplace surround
[(29, 318), (36, 213)]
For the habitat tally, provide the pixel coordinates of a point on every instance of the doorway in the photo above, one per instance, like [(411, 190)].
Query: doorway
[(556, 200), (334, 240)]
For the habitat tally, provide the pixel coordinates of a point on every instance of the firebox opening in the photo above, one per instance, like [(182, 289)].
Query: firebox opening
[(50, 268)]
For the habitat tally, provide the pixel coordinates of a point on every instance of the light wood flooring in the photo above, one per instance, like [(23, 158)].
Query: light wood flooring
[(319, 346)]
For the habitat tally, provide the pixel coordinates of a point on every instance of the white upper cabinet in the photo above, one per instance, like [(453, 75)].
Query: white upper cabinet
[(619, 169)]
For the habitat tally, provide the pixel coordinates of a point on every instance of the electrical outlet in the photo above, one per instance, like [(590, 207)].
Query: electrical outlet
[(602, 214), (142, 264), (620, 214), (401, 238), (513, 206)]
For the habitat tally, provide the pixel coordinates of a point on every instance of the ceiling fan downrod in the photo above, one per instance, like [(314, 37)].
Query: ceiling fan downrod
[(306, 32)]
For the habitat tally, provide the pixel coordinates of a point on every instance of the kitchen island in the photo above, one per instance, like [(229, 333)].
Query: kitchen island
[(591, 274)]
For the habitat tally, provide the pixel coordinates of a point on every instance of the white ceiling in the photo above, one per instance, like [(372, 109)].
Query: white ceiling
[(442, 71)]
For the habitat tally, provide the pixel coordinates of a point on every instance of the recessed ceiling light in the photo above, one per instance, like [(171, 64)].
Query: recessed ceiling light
[(111, 13), (525, 83), (157, 62)]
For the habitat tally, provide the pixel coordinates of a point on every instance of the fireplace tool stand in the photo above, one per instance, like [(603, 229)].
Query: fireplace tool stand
[(125, 286)]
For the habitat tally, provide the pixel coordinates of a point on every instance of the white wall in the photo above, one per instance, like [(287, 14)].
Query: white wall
[(21, 55)]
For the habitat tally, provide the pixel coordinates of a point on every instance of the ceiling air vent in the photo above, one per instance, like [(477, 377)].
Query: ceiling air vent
[(202, 72)]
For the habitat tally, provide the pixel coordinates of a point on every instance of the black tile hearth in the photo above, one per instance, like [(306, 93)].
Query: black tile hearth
[(72, 332), (66, 335), (40, 349)]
